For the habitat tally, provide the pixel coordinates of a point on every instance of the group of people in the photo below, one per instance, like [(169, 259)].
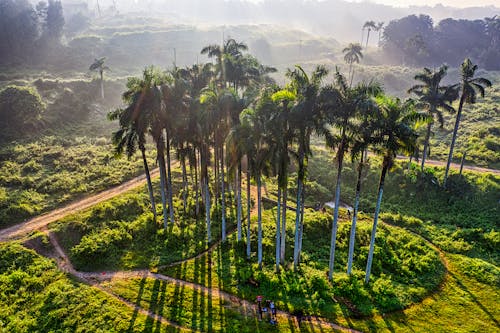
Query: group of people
[(267, 307)]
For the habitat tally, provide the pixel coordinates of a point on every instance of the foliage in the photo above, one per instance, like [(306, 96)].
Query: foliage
[(36, 297), (51, 171)]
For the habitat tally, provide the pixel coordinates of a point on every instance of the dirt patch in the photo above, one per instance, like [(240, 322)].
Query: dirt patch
[(41, 245)]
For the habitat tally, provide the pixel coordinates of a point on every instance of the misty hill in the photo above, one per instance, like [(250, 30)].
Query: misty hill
[(340, 19)]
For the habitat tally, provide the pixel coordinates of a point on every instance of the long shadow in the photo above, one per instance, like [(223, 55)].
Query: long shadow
[(161, 304), (153, 305), (474, 298), (197, 307), (209, 296), (137, 305), (221, 272)]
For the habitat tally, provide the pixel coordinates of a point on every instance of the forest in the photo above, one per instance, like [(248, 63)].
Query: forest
[(354, 185)]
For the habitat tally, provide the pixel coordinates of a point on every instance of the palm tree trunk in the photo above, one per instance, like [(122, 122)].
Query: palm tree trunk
[(462, 163), (102, 83), (335, 212), (169, 179), (207, 211), (278, 234), (163, 183), (367, 37), (283, 228), (301, 229), (426, 145), (375, 221), (297, 225), (259, 219), (352, 237), (238, 194), (249, 208), (223, 194), (150, 184), (196, 188), (184, 183), (454, 137), (351, 73), (206, 190)]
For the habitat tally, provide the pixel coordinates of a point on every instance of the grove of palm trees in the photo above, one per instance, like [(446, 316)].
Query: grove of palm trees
[(186, 196)]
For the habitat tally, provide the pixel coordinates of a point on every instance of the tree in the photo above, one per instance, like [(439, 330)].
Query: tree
[(369, 25), (352, 54), (379, 28), (54, 23), (469, 88), (225, 55), (341, 105), (21, 110), (98, 66), (394, 134), (303, 120), (133, 122), (433, 99)]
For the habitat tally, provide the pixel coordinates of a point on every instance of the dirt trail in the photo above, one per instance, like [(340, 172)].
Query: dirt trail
[(97, 278), (454, 166), (41, 221)]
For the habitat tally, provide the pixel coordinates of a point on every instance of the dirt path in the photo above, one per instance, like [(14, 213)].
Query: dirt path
[(455, 166), (41, 221), (97, 278)]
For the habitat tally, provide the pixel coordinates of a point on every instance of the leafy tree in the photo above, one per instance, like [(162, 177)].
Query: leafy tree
[(433, 99), (21, 110), (394, 134), (98, 66), (469, 88), (54, 23)]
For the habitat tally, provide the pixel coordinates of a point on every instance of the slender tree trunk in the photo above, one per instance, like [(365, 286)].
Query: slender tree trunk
[(351, 74), (367, 37), (102, 84), (259, 219), (278, 234), (462, 163), (375, 221), (150, 184), (352, 237), (223, 194), (409, 162), (283, 228), (163, 183), (249, 208), (238, 194), (184, 183), (426, 145), (297, 225), (207, 211), (169, 179), (301, 229), (454, 138), (206, 191), (336, 212), (197, 188)]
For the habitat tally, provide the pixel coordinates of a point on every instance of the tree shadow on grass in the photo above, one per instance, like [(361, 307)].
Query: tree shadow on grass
[(137, 305)]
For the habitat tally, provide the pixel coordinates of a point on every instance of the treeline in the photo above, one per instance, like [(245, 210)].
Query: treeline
[(29, 34), (230, 119), (415, 41)]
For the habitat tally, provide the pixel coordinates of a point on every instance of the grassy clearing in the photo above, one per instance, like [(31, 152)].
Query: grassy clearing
[(36, 297), (405, 270), (120, 233), (42, 175)]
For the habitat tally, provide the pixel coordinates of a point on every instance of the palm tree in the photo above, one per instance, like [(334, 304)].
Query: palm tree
[(369, 25), (132, 135), (341, 105), (395, 134), (352, 54), (98, 66), (303, 120), (144, 98), (225, 54), (469, 87), (433, 99), (378, 28)]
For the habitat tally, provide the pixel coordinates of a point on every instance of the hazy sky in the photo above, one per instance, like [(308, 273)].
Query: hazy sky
[(452, 3)]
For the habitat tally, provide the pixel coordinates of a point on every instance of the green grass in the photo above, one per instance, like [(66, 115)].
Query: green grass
[(36, 297), (405, 270), (120, 233), (47, 173)]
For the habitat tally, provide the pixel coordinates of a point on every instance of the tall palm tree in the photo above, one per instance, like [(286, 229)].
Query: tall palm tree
[(433, 99), (144, 97), (303, 120), (98, 66), (341, 105), (225, 56), (352, 54), (469, 87), (379, 28), (132, 135), (369, 26), (395, 134)]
